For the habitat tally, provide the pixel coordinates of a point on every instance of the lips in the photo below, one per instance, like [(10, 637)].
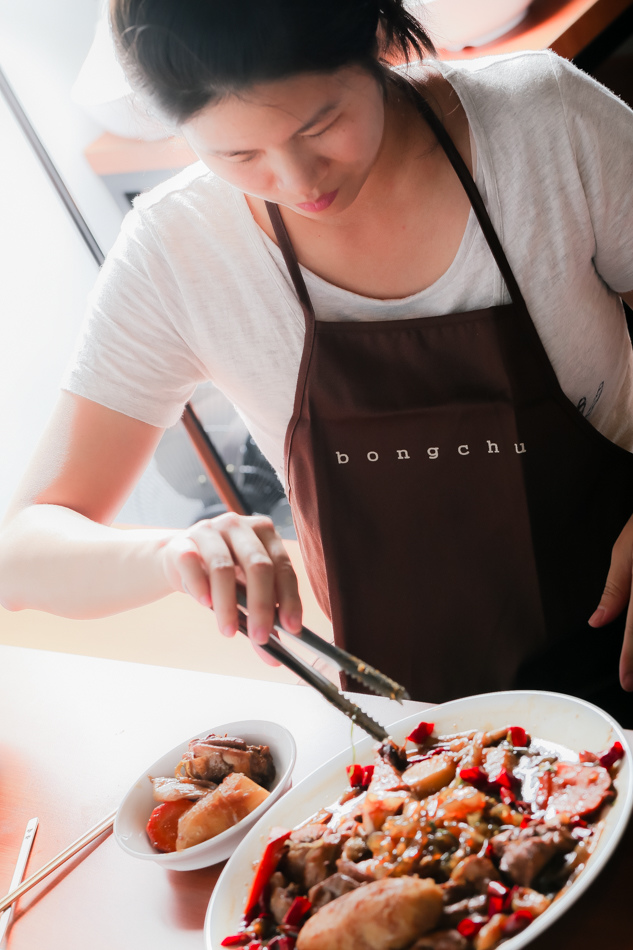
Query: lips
[(323, 202)]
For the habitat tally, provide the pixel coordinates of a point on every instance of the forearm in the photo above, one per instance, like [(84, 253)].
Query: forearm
[(54, 559)]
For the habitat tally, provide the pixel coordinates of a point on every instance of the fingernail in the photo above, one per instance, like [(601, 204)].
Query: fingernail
[(597, 617), (228, 631), (627, 682), (295, 621), (205, 600), (260, 635)]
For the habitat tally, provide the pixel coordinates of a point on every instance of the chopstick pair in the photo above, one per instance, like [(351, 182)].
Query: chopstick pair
[(370, 677)]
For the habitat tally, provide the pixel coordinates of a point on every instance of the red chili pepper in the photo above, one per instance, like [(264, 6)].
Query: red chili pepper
[(612, 755), (368, 774), (267, 866), (503, 779), (236, 940), (355, 775), (525, 821), (469, 927), (518, 736), (421, 732), (495, 905), (297, 911), (517, 922), (475, 776)]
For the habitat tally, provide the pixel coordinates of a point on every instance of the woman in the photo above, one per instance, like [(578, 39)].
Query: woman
[(449, 392)]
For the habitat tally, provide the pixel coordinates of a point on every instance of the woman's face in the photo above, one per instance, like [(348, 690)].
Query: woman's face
[(307, 143)]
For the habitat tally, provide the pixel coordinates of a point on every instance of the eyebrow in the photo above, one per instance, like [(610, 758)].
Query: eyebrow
[(316, 118)]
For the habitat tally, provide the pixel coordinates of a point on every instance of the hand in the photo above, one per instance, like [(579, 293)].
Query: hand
[(208, 559), (618, 595)]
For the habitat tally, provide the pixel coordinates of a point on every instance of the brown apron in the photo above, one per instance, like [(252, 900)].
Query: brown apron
[(455, 511)]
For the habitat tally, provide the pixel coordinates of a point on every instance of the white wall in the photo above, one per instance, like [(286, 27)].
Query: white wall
[(45, 269)]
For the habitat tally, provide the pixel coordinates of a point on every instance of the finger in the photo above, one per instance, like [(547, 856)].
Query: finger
[(285, 579), (266, 657), (220, 567), (250, 553), (626, 657), (617, 589), (188, 566)]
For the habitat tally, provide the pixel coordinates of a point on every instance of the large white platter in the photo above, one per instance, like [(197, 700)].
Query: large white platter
[(564, 720)]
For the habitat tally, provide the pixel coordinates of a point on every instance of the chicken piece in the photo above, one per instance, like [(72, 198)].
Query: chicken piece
[(384, 915), (441, 940), (385, 777), (475, 873), (282, 895), (173, 789), (455, 804), (525, 852), (328, 890), (215, 757), (497, 758), (469, 907), (376, 808), (491, 932), (309, 862), (235, 798), (430, 775), (524, 898)]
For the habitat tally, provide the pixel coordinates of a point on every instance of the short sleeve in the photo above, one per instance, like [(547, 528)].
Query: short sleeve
[(130, 355), (600, 127)]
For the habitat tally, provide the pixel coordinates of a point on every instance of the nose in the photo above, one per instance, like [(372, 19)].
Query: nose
[(299, 173)]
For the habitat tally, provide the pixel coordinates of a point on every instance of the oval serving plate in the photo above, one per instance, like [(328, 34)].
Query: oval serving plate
[(564, 720)]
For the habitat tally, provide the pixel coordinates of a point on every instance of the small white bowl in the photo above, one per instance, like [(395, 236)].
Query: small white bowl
[(135, 809)]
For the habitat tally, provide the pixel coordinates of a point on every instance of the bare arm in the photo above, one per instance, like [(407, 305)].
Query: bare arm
[(59, 554)]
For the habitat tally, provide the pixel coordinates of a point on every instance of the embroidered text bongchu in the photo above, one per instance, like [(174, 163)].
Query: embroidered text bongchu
[(433, 452)]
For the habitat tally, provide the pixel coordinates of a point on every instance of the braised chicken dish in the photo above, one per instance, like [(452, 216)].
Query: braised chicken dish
[(455, 844), (218, 781)]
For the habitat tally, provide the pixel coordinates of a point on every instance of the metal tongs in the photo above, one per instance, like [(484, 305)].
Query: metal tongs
[(371, 678)]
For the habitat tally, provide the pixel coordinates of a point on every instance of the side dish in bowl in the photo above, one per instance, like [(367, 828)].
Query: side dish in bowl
[(192, 807), (459, 839)]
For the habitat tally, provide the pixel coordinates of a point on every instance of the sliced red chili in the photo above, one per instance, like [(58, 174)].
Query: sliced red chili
[(297, 911), (469, 927), (266, 867), (495, 905), (476, 776), (611, 756), (421, 732), (355, 775), (236, 940), (368, 774), (517, 922), (518, 736)]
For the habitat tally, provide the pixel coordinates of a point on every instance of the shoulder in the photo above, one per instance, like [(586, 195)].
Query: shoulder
[(193, 209)]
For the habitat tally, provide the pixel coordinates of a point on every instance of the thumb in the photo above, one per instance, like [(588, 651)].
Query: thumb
[(616, 593)]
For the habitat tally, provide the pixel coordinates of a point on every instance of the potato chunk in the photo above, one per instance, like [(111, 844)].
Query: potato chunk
[(385, 915), (232, 800), (430, 775)]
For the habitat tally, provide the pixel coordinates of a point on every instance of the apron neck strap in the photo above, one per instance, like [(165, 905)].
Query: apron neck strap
[(286, 248), (468, 183)]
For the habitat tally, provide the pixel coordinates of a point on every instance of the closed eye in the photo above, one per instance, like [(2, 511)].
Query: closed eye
[(315, 135)]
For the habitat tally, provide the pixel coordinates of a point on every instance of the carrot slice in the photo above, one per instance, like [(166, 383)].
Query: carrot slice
[(162, 827)]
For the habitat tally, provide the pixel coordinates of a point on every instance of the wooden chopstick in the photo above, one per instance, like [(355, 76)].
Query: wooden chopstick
[(104, 825)]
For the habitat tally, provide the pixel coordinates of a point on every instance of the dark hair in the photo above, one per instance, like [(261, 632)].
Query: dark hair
[(184, 54)]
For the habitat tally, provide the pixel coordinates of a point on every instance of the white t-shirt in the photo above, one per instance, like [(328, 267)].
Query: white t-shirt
[(194, 290)]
